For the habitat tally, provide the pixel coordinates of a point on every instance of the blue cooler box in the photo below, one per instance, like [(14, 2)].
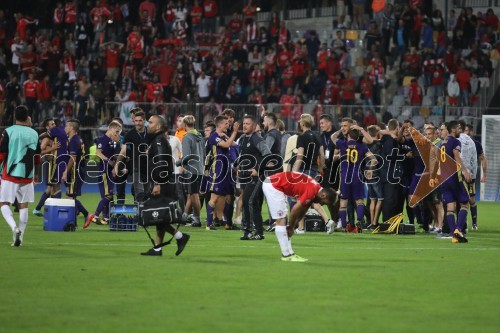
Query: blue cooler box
[(59, 215)]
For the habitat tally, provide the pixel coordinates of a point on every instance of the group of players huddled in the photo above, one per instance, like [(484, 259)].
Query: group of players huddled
[(223, 167)]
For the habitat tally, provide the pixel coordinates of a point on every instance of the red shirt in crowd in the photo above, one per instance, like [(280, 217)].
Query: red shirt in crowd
[(463, 79), (44, 91), (415, 94), (149, 7), (58, 16), (28, 61), (348, 94), (258, 76), (287, 102), (283, 58), (437, 76), (112, 58), (136, 44), (30, 88), (154, 92), (235, 25), (69, 13), (22, 24), (196, 15), (366, 87), (287, 76), (97, 12), (210, 7)]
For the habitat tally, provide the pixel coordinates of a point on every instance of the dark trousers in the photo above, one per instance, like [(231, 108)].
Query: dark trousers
[(121, 183), (252, 206), (392, 200)]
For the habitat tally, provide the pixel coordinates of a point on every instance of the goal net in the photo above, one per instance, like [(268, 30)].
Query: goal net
[(490, 191)]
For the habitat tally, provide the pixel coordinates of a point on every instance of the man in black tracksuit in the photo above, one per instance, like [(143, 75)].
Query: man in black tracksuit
[(391, 171), (273, 139), (253, 150), (161, 179)]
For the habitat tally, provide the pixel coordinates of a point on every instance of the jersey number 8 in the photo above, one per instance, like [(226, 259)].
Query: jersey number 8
[(443, 154)]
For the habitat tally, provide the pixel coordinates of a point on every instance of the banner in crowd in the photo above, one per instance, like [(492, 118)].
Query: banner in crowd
[(125, 112)]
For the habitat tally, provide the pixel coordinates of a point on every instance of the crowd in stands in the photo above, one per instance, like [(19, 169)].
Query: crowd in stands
[(178, 51)]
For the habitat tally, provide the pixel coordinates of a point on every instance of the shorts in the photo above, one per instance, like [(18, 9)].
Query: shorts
[(375, 192), (278, 209), (106, 185), (455, 192), (221, 184), (435, 196), (74, 188), (10, 191), (192, 185), (55, 173), (205, 184), (354, 190)]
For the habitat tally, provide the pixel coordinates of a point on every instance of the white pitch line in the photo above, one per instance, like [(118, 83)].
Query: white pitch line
[(464, 248)]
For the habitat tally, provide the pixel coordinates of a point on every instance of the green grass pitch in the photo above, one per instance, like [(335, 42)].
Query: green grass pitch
[(95, 281)]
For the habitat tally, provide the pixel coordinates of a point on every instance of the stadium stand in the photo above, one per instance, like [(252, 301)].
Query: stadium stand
[(153, 53)]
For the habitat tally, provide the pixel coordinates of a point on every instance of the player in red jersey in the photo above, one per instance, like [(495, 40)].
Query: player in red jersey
[(307, 191)]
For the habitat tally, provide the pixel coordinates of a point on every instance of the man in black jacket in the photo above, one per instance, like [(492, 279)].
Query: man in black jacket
[(253, 150), (161, 179)]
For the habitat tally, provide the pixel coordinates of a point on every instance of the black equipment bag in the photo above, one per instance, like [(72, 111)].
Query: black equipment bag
[(159, 210), (314, 223)]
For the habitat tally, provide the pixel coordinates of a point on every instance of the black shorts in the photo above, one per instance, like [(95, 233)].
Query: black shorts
[(192, 185)]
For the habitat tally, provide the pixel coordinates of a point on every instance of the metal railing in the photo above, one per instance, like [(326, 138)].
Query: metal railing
[(476, 3), (290, 113)]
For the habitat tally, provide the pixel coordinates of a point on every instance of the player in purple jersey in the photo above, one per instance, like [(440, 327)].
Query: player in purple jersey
[(57, 164), (454, 188), (352, 154), (472, 186), (73, 176), (220, 173), (106, 148)]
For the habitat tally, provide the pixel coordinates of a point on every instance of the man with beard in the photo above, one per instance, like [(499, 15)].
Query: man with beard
[(161, 180)]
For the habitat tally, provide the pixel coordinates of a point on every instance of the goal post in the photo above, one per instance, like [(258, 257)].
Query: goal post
[(490, 139)]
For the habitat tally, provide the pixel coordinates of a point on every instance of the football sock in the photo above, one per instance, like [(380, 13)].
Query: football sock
[(105, 209), (80, 208), (411, 215), (7, 215), (102, 205), (196, 219), (450, 218), (290, 250), (360, 212), (23, 219), (417, 212), (473, 212), (282, 236), (178, 235), (462, 218), (42, 200), (228, 213), (343, 216), (210, 213)]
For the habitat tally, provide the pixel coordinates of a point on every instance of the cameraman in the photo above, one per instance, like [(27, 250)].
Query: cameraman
[(161, 180)]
